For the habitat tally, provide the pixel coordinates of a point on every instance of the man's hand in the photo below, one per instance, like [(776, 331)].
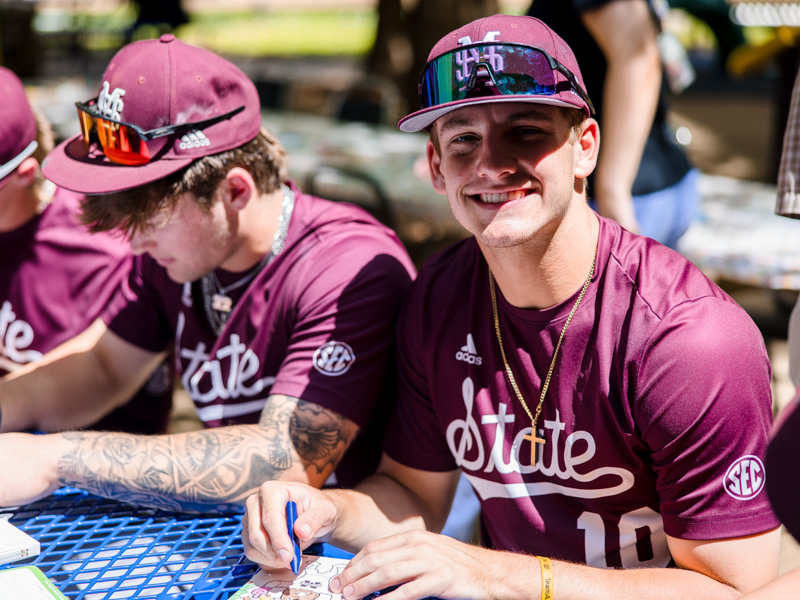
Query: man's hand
[(264, 531), (28, 469), (429, 564)]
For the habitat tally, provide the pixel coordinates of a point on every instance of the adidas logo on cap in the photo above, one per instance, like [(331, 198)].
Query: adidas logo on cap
[(194, 139)]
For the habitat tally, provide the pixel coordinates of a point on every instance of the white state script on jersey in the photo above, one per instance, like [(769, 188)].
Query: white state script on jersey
[(469, 353), (242, 379), (194, 139), (16, 336), (470, 437)]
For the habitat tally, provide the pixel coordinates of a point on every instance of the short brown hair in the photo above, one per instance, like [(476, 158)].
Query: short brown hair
[(129, 210)]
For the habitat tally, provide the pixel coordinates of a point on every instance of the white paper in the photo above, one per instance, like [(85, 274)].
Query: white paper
[(15, 544), (26, 583)]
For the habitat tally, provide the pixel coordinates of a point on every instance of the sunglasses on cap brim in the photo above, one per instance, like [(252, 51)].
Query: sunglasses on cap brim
[(492, 69), (128, 144)]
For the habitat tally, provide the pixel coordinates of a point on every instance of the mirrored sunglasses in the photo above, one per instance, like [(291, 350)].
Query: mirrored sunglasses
[(493, 69), (128, 144)]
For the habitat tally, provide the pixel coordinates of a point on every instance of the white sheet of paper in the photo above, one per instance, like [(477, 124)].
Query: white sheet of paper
[(27, 583), (15, 544)]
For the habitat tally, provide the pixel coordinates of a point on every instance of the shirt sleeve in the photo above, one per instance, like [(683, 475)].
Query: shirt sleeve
[(703, 405), (345, 300)]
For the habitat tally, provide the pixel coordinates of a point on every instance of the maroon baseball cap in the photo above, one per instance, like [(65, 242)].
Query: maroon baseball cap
[(152, 84), (782, 464), (498, 30), (17, 125)]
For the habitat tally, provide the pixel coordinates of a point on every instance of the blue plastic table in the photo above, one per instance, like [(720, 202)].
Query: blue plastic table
[(98, 549)]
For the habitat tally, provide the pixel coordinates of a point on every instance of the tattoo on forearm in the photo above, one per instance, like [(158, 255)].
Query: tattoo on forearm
[(320, 436), (208, 470)]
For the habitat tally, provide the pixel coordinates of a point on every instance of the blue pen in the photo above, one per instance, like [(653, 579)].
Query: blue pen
[(291, 517)]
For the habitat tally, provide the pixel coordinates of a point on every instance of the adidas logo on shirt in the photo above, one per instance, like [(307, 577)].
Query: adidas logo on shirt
[(469, 353), (194, 139)]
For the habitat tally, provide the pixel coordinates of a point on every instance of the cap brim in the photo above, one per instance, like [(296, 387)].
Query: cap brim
[(71, 166), (422, 119), (782, 464), (7, 169)]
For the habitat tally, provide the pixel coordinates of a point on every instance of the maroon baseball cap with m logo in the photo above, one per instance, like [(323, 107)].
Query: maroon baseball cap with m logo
[(502, 58), (161, 105)]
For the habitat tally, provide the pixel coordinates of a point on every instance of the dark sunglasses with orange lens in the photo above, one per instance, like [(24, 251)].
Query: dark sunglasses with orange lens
[(128, 144)]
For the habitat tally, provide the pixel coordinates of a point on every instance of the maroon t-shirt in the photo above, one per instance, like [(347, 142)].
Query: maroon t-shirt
[(55, 279), (317, 323), (655, 421)]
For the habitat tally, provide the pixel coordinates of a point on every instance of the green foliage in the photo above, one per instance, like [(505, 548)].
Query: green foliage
[(283, 32), (322, 32)]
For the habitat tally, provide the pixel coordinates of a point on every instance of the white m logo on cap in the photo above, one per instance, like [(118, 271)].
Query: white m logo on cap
[(491, 36), (109, 104)]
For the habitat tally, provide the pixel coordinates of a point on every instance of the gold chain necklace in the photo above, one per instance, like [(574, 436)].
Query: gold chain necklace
[(533, 437)]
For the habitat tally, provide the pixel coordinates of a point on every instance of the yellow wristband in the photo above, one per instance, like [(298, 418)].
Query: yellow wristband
[(547, 577)]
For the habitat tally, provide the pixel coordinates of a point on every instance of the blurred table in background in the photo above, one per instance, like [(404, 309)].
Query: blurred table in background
[(737, 236), (378, 167)]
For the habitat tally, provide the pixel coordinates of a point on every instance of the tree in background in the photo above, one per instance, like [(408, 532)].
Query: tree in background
[(407, 30)]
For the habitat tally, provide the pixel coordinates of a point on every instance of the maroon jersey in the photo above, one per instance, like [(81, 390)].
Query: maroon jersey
[(55, 280), (655, 420), (317, 323)]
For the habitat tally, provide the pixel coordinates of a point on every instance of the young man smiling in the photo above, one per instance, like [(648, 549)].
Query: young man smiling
[(621, 404), (280, 307)]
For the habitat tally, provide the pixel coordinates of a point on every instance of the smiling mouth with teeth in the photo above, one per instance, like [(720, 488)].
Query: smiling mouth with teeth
[(501, 197)]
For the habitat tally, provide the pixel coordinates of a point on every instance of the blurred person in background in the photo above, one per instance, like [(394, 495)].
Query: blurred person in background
[(643, 180), (55, 276), (788, 205)]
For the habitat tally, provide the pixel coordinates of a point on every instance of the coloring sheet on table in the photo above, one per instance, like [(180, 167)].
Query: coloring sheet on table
[(312, 583)]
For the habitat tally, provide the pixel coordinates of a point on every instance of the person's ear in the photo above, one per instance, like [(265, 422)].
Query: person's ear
[(25, 174), (238, 188), (434, 165), (587, 148)]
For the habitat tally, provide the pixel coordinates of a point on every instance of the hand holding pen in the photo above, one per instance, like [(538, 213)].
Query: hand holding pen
[(268, 537)]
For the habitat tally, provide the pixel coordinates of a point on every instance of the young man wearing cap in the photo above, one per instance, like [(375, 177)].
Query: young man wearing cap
[(608, 403), (279, 307), (55, 277)]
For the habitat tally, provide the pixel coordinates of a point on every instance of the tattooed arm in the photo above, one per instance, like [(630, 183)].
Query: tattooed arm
[(212, 469)]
